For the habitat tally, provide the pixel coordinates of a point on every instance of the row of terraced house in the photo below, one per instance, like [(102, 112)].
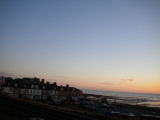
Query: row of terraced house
[(36, 89)]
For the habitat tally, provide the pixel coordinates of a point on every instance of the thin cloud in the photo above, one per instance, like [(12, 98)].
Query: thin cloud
[(106, 83), (131, 80), (128, 80)]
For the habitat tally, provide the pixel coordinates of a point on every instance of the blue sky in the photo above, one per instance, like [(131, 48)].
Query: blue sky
[(83, 41)]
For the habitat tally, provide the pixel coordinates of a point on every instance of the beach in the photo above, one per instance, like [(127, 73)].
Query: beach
[(111, 104), (142, 99)]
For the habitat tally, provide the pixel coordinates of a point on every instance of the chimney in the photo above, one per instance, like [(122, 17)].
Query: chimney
[(67, 86)]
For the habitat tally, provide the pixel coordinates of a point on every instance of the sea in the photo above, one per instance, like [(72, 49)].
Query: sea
[(142, 99)]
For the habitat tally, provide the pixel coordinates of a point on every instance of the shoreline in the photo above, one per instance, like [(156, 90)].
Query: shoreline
[(123, 104), (123, 100)]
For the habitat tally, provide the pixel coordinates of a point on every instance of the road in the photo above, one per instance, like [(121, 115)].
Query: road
[(11, 109)]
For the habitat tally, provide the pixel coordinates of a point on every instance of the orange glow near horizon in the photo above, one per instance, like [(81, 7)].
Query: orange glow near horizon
[(149, 83), (138, 85)]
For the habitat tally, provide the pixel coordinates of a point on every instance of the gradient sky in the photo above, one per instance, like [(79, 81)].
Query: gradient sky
[(90, 44)]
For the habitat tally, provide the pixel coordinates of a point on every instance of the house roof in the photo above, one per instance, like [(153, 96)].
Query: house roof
[(35, 83)]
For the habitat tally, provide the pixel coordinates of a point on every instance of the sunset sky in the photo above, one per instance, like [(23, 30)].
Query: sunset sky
[(90, 44)]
